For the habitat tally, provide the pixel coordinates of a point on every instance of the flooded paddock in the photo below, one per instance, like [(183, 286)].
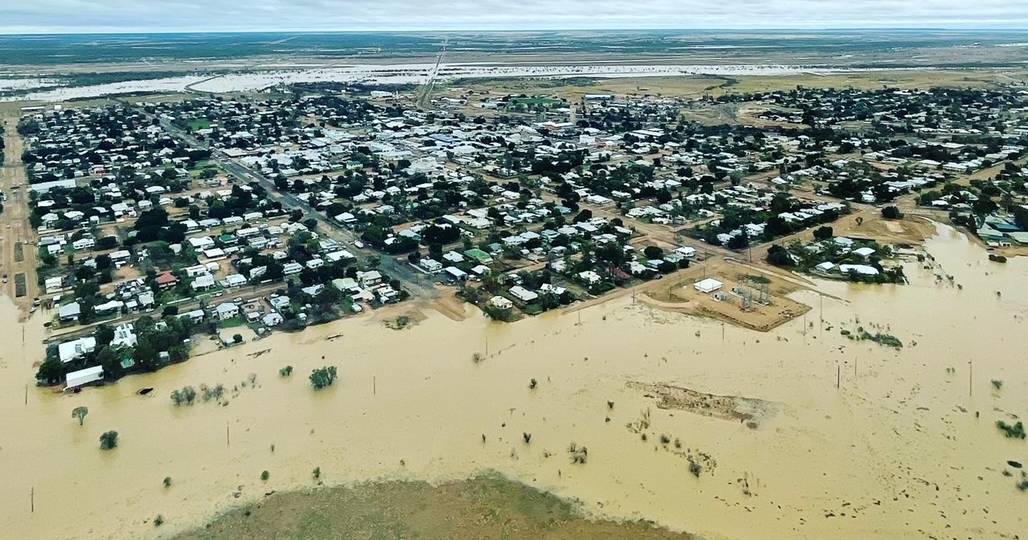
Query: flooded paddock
[(865, 440)]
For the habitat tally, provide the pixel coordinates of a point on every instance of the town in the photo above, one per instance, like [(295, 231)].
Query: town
[(161, 222)]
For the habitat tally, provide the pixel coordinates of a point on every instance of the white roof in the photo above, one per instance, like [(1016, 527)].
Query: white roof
[(858, 268), (84, 376), (70, 350), (708, 285)]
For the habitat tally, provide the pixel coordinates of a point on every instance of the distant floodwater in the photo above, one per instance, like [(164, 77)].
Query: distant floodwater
[(390, 74)]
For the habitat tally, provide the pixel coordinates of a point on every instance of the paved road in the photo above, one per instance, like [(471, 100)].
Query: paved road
[(413, 281)]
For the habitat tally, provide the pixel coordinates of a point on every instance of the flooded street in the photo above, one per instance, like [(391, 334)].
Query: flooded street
[(897, 451)]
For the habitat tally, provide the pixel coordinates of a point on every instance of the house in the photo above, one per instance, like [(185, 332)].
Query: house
[(226, 311), (826, 266), (369, 279), (83, 377), (523, 294), (234, 280), (271, 319), (76, 348), (83, 243), (431, 265), (54, 285), (861, 269), (69, 312), (501, 302), (478, 256), (291, 268), (203, 282), (455, 274), (166, 280), (279, 302), (708, 285), (124, 336), (196, 316), (111, 306), (863, 252)]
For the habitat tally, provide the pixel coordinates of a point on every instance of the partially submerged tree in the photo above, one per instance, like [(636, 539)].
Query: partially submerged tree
[(79, 413), (323, 377), (109, 440)]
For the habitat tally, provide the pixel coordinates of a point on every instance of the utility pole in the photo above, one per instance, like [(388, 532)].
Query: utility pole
[(374, 385), (970, 377), (838, 375), (32, 500), (228, 440)]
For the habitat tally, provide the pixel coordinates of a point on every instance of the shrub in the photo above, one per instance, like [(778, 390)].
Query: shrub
[(109, 440), (891, 212), (1015, 431), (323, 377)]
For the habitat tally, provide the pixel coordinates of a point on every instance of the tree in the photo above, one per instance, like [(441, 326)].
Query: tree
[(237, 338), (891, 212), (823, 233), (323, 377), (79, 413), (109, 440), (779, 256), (653, 252), (50, 371)]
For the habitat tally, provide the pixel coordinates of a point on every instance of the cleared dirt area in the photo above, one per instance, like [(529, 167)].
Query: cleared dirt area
[(750, 297), (733, 408), (483, 507)]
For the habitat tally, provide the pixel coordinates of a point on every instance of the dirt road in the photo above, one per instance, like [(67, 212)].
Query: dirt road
[(17, 238)]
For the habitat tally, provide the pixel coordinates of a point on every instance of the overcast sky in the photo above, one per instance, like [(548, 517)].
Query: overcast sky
[(36, 16)]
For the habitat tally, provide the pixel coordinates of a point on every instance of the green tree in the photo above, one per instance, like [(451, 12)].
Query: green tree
[(823, 233), (109, 440), (79, 413), (323, 377), (50, 371)]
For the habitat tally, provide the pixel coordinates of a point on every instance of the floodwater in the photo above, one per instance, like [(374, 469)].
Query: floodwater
[(895, 452)]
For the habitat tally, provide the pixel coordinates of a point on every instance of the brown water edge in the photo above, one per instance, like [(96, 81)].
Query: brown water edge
[(895, 452), (486, 506)]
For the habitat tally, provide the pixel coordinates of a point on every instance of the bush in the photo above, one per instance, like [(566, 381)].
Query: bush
[(265, 475), (823, 233), (323, 377), (1015, 431), (891, 212), (109, 440), (286, 371)]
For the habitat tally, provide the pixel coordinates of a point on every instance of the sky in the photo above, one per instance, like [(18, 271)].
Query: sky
[(83, 16)]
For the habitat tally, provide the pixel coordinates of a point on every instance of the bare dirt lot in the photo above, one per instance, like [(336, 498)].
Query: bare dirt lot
[(483, 507)]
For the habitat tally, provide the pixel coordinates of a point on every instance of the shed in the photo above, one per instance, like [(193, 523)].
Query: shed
[(84, 376), (708, 285)]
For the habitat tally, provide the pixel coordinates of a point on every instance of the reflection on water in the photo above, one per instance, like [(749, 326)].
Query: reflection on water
[(895, 450)]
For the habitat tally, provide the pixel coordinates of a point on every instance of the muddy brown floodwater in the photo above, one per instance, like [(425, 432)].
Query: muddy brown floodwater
[(906, 447)]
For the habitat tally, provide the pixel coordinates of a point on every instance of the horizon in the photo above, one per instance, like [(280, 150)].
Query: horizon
[(748, 30), (61, 17)]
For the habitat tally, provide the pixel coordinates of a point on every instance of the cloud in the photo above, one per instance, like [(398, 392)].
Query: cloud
[(244, 15)]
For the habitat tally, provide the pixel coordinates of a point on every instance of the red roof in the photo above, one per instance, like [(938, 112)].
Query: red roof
[(166, 278)]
